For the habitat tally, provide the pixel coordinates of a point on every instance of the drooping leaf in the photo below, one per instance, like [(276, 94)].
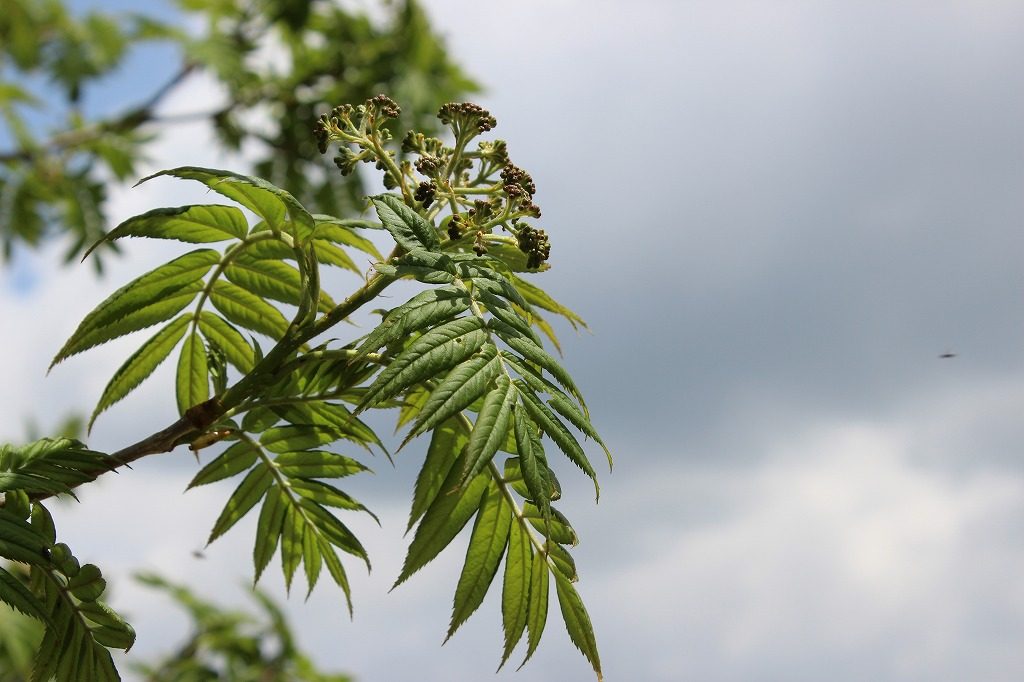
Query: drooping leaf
[(486, 547), (250, 491), (268, 530), (152, 298), (274, 205), (577, 622), (447, 515), (538, 297), (410, 230), (558, 432), (141, 364), (537, 611), (515, 589), (343, 231), (234, 460), (446, 445), (192, 385), (533, 469), (198, 224), (317, 464), (526, 347)]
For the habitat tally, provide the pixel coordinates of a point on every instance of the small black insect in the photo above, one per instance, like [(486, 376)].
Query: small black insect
[(947, 356)]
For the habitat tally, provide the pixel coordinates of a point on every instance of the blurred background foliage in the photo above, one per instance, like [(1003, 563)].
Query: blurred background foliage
[(279, 63), (255, 645)]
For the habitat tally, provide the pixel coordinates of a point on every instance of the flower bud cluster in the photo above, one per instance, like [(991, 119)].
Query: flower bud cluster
[(425, 193), (534, 243), (466, 116)]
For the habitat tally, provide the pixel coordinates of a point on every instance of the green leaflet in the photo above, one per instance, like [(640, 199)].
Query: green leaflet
[(486, 547), (246, 495), (155, 297), (437, 350), (274, 205), (577, 622), (538, 297), (234, 460), (295, 437), (534, 353), (533, 469), (460, 388), (192, 385), (272, 279), (292, 531), (507, 313), (19, 541), (562, 561), (408, 228), (197, 224), (268, 530), (247, 310), (515, 589), (337, 571), (343, 232), (141, 364), (326, 253), (446, 444), (552, 524), (219, 333), (537, 610), (558, 432), (422, 311), (562, 403), (312, 562), (447, 515), (327, 495), (14, 593), (336, 532), (491, 428), (317, 464)]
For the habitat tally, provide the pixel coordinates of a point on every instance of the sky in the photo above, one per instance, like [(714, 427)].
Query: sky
[(775, 216)]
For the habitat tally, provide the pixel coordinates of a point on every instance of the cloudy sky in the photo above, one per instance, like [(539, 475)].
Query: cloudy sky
[(775, 217)]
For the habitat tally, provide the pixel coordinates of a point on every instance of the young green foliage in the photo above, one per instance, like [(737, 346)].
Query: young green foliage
[(462, 359)]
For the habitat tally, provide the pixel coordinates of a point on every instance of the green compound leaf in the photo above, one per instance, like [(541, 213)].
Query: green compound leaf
[(486, 547), (247, 309), (155, 297), (192, 385), (141, 364), (436, 351), (199, 224), (278, 208), (577, 622), (410, 230)]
